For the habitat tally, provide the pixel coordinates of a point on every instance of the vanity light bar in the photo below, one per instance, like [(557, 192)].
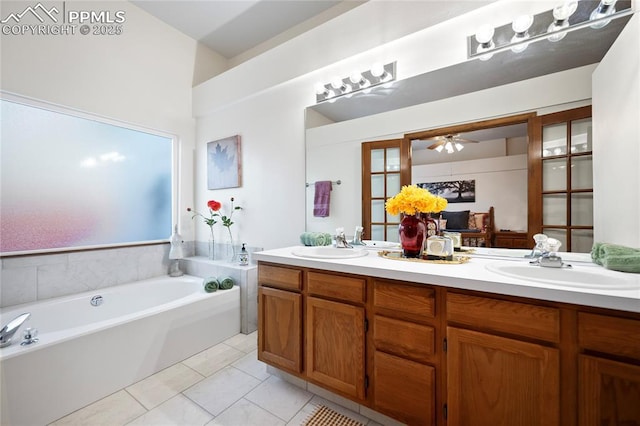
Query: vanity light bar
[(356, 82), (487, 43)]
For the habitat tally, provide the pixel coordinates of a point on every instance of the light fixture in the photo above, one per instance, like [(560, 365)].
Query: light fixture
[(439, 148), (459, 146), (561, 15), (553, 25), (604, 9), (356, 82), (521, 27), (484, 37)]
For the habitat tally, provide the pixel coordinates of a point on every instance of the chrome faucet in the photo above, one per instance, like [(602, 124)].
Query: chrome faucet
[(10, 329), (357, 236), (341, 239), (545, 252)]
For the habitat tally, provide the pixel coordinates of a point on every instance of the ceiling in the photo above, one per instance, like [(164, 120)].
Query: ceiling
[(232, 27)]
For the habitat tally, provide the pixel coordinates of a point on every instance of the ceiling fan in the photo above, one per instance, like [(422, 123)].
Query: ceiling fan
[(449, 142)]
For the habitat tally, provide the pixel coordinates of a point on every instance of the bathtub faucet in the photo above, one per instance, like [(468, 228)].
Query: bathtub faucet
[(10, 329)]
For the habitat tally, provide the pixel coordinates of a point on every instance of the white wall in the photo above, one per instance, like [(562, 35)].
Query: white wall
[(616, 140), (500, 182)]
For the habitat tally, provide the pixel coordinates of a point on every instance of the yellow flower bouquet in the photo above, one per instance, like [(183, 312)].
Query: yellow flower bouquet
[(412, 200)]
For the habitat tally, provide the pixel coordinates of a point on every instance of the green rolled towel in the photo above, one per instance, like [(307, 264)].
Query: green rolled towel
[(210, 284), (622, 263), (225, 283), (315, 238), (601, 251)]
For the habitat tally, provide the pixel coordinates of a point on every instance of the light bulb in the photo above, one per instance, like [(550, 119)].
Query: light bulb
[(448, 147), (377, 70), (336, 83), (557, 26), (521, 47), (484, 34), (459, 146), (605, 8), (321, 90), (565, 10), (522, 24), (439, 148), (357, 79)]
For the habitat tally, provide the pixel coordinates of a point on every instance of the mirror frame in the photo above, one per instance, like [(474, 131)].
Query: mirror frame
[(534, 208)]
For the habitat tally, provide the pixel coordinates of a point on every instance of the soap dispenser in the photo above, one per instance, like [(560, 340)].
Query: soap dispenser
[(244, 256)]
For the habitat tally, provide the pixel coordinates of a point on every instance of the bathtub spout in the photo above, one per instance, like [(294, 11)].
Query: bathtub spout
[(10, 329)]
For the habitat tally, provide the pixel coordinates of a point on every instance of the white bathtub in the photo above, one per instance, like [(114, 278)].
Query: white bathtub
[(87, 352)]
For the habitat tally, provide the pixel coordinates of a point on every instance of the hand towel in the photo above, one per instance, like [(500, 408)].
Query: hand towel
[(226, 283), (210, 284), (616, 257), (322, 198)]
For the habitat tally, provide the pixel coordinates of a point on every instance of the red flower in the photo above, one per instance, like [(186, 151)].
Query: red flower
[(214, 205)]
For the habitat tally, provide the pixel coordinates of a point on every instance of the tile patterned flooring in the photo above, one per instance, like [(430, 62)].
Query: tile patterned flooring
[(224, 385)]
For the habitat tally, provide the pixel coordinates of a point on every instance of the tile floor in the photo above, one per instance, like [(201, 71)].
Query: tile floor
[(223, 385)]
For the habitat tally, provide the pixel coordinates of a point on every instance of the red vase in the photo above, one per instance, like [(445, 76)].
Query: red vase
[(413, 232)]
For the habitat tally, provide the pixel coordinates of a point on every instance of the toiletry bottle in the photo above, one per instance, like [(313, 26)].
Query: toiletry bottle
[(244, 256)]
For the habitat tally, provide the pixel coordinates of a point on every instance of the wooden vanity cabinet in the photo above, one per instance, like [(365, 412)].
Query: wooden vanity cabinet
[(431, 355), (503, 366), (404, 358), (280, 317), (335, 333), (608, 370)]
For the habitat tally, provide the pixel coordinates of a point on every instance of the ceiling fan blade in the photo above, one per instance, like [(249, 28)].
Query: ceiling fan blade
[(437, 144), (465, 140)]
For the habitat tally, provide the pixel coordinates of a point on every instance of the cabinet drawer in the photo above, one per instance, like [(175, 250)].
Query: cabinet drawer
[(611, 335), (406, 339), (414, 300), (276, 276), (336, 286), (523, 319)]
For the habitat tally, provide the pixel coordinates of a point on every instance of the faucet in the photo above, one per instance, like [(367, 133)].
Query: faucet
[(7, 332), (357, 236), (341, 240), (539, 249), (545, 253)]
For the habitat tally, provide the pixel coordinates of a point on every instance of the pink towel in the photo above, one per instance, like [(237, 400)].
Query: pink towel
[(322, 198)]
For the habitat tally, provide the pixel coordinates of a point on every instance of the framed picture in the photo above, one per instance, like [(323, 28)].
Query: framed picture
[(455, 191), (224, 163)]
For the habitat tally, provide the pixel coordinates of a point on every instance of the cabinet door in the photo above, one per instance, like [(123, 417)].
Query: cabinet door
[(334, 334), (280, 328), (404, 389), (609, 393), (498, 381)]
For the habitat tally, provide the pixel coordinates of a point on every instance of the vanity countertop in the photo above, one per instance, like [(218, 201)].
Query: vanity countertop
[(605, 288)]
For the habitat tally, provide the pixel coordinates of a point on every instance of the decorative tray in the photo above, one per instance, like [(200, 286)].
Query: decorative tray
[(397, 255)]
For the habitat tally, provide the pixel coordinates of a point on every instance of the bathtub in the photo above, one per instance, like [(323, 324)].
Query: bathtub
[(87, 352)]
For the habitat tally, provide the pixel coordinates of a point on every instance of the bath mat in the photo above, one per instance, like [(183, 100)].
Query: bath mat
[(324, 416)]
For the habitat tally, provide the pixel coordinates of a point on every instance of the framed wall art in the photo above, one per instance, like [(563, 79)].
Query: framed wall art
[(224, 163), (455, 191)]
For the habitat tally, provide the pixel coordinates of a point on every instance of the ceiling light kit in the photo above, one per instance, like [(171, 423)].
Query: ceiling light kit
[(448, 143), (357, 82), (552, 25)]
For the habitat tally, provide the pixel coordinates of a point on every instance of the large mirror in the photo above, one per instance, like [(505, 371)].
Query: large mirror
[(464, 93)]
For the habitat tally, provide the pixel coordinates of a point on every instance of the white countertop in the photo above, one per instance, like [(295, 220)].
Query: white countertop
[(474, 275)]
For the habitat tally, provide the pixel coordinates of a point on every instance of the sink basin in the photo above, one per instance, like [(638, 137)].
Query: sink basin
[(380, 244), (329, 252), (576, 276)]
